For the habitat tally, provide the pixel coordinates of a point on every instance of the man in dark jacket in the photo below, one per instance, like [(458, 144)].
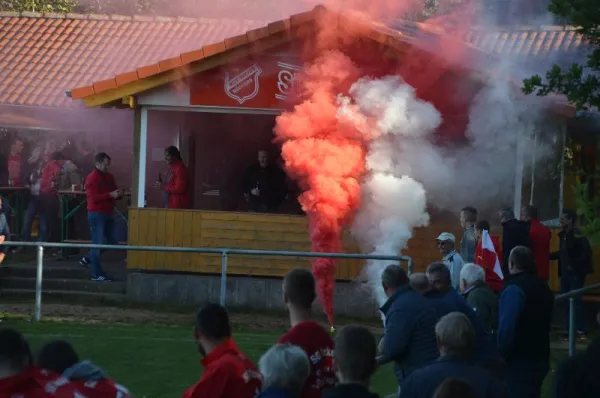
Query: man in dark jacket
[(525, 314), (420, 283), (354, 354), (485, 351), (410, 320), (479, 296), (514, 233), (579, 377), (264, 185), (574, 264), (456, 340)]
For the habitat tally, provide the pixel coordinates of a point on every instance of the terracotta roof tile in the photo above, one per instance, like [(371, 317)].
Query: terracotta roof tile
[(61, 52), (531, 43)]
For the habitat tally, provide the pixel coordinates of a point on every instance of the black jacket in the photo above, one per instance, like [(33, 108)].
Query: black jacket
[(579, 377), (514, 233), (349, 391), (574, 253), (525, 310), (269, 180)]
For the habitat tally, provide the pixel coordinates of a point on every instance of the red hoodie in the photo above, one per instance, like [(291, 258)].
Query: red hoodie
[(178, 187), (491, 278), (98, 186), (36, 383), (227, 374), (540, 236)]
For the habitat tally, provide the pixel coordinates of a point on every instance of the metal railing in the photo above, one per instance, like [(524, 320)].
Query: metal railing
[(571, 296), (224, 252)]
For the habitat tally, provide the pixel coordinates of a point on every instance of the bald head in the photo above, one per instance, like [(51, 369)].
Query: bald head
[(420, 283)]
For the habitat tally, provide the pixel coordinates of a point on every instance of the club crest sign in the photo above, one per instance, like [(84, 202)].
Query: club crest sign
[(243, 85), (285, 80)]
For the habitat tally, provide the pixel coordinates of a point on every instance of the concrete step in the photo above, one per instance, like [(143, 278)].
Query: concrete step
[(64, 295), (50, 271), (56, 284)]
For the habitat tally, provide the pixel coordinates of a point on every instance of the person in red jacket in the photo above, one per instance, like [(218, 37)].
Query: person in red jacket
[(60, 357), (491, 278), (176, 182), (101, 192), (299, 294), (20, 379), (540, 237), (227, 372)]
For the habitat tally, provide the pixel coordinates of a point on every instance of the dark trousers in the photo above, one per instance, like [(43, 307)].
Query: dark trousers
[(34, 208), (102, 228), (569, 281), (524, 379), (49, 210)]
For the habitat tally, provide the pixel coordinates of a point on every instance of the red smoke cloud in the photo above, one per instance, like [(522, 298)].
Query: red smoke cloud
[(326, 159)]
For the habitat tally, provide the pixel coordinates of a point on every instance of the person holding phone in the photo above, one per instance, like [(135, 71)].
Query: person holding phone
[(176, 182), (102, 192)]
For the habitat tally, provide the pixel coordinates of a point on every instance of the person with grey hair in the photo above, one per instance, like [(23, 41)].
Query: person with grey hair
[(479, 295), (285, 368), (354, 355), (410, 318), (456, 342), (420, 283), (514, 233), (485, 350), (525, 315)]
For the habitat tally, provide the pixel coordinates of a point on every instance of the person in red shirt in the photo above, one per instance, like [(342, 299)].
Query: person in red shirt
[(299, 294), (227, 372), (491, 278), (101, 192), (176, 182), (20, 379), (540, 237), (60, 357)]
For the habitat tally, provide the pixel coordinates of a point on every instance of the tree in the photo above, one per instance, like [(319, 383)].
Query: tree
[(580, 83), (58, 6)]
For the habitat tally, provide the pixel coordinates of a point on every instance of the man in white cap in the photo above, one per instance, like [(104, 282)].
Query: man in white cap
[(446, 242)]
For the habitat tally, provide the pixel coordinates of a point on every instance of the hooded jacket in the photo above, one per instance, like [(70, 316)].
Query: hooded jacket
[(92, 382), (177, 186)]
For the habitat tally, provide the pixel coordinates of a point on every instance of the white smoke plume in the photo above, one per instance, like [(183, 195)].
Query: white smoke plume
[(407, 170)]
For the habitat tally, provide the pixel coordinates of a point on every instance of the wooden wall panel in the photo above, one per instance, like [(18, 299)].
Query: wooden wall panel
[(193, 228)]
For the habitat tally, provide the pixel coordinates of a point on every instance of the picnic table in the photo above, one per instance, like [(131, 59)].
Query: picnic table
[(15, 203)]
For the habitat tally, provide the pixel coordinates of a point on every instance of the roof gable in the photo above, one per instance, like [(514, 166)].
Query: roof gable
[(42, 55), (299, 26)]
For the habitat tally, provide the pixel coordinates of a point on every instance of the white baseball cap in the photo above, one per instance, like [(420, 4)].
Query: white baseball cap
[(445, 237)]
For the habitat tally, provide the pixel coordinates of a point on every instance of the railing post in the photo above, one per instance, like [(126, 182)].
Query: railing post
[(223, 277), (572, 326), (38, 284)]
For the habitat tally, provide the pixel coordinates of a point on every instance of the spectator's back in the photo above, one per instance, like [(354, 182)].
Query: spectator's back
[(410, 321)]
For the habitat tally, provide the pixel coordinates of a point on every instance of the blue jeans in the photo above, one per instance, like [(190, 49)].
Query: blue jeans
[(102, 226), (569, 280), (33, 209)]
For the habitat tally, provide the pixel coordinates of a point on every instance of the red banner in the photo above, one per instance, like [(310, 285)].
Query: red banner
[(258, 83)]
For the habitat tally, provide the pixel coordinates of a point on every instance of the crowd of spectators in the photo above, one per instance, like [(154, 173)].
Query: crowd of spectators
[(448, 335)]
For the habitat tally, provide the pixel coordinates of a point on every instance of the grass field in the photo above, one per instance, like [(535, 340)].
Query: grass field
[(159, 361)]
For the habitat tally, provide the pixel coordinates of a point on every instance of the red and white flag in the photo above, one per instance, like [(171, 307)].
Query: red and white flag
[(490, 258)]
